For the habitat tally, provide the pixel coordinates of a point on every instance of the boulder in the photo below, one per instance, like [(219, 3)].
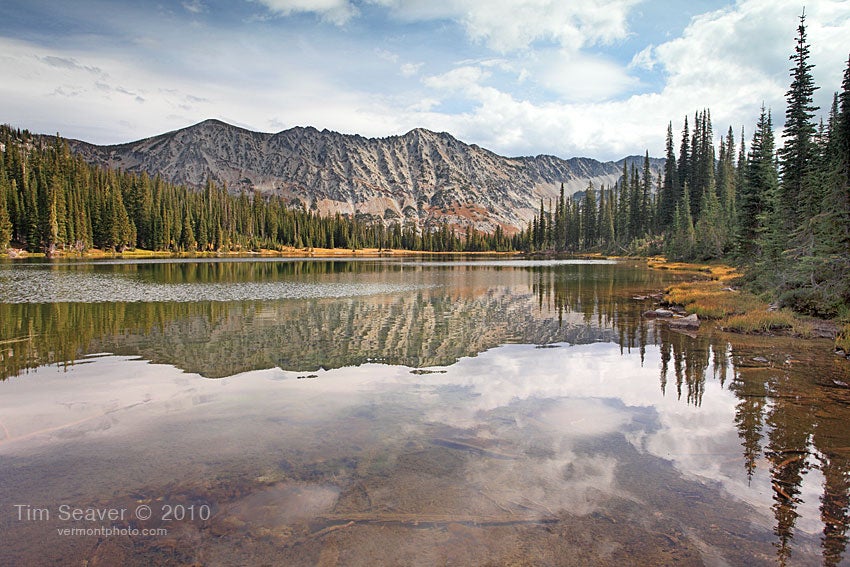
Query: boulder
[(658, 313), (689, 322)]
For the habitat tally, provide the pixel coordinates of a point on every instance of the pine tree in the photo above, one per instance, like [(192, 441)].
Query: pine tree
[(711, 233), (726, 181), (606, 218), (561, 221), (5, 222), (635, 199), (540, 237), (681, 245), (839, 159), (796, 155), (759, 183), (684, 174), (669, 195), (33, 233), (645, 197), (187, 237), (589, 218)]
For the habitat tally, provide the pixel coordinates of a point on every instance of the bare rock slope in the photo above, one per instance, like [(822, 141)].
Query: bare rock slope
[(422, 176)]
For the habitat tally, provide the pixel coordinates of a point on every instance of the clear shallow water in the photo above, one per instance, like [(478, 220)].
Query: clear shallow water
[(424, 425)]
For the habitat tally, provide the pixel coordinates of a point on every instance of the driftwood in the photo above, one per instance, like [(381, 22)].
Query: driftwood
[(430, 520), (467, 446)]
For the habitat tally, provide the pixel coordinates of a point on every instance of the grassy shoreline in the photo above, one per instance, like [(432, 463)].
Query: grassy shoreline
[(288, 252), (714, 294)]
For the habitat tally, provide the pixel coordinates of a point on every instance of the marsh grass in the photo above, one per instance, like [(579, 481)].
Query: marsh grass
[(738, 311), (762, 321), (712, 299), (659, 263)]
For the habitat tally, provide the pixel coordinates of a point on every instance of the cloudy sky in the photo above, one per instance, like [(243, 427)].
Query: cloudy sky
[(597, 78)]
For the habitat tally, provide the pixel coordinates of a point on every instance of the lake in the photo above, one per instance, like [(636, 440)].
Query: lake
[(404, 411)]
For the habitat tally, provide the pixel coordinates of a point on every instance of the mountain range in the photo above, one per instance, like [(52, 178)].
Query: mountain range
[(422, 176)]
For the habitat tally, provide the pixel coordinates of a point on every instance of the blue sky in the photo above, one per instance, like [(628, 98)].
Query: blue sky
[(597, 78)]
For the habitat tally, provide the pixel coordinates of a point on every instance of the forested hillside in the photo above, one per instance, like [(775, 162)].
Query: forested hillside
[(52, 200), (426, 177), (783, 214)]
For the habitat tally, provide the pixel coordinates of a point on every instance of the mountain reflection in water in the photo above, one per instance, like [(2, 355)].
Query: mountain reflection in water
[(784, 400)]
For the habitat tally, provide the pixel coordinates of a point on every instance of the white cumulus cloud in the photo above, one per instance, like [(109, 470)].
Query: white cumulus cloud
[(334, 11), (506, 25)]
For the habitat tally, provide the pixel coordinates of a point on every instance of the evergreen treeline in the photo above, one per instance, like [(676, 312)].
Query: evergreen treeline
[(781, 213), (688, 212), (621, 218), (52, 200)]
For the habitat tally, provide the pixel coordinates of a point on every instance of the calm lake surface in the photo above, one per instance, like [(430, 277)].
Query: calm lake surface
[(404, 412)]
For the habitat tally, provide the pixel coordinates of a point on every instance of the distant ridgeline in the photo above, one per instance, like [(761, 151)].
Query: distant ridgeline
[(53, 200)]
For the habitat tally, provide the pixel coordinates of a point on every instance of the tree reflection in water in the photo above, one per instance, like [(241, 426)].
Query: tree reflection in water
[(791, 413)]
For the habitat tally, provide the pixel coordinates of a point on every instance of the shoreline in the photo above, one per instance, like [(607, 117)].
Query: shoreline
[(95, 253), (714, 295)]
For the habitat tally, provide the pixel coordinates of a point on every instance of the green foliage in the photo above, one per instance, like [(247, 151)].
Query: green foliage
[(816, 285), (614, 219), (760, 182), (790, 232), (5, 223), (51, 200), (711, 231), (797, 155), (669, 194), (682, 238)]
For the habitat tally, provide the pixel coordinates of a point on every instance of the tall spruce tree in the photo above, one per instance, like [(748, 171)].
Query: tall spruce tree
[(839, 152), (680, 246), (589, 218), (759, 183), (684, 172), (797, 154), (646, 196), (669, 191), (726, 180)]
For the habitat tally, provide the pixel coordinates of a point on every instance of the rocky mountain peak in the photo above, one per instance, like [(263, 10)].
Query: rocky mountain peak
[(422, 176)]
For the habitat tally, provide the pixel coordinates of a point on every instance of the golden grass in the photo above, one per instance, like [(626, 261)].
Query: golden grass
[(659, 263), (762, 321), (739, 311), (842, 341), (711, 299), (719, 272)]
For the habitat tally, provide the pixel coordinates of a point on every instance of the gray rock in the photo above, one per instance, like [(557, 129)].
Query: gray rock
[(658, 313), (689, 322)]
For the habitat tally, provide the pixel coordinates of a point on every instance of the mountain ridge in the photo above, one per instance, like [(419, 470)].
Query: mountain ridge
[(422, 176)]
